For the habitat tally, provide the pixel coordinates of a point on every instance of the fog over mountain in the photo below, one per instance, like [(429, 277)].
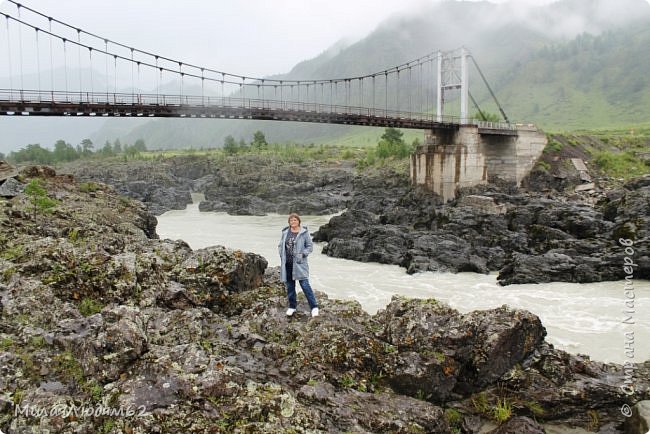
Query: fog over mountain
[(520, 47)]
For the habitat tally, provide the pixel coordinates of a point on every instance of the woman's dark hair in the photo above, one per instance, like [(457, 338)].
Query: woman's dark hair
[(293, 214)]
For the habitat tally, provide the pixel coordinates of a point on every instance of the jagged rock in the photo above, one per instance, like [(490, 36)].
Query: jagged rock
[(497, 227), (462, 353), (38, 172), (551, 266), (106, 344), (638, 183), (214, 271), (11, 187), (484, 204)]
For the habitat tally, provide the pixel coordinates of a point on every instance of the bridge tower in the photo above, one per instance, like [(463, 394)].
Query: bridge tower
[(452, 74)]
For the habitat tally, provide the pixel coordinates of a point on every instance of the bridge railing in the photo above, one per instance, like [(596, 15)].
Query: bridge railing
[(140, 101), (493, 125)]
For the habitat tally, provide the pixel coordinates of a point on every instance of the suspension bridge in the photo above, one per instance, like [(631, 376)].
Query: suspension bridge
[(74, 72)]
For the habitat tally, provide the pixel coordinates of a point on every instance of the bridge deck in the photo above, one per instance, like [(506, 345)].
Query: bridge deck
[(34, 103)]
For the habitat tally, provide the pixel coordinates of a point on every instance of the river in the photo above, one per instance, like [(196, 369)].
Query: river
[(579, 318)]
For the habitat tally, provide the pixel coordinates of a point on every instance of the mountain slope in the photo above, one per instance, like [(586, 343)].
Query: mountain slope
[(589, 82)]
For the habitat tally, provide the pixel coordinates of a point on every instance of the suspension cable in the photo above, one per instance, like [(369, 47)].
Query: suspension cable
[(476, 105), (422, 59), (503, 113), (11, 85)]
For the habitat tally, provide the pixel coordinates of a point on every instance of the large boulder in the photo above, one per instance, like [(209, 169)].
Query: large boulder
[(442, 353), (209, 275)]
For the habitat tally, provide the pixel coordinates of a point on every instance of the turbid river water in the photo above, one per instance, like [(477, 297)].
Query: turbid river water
[(579, 318)]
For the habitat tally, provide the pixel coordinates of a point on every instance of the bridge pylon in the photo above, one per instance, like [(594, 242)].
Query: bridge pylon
[(453, 74)]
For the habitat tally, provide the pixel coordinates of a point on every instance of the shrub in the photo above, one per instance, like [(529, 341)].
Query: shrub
[(37, 195)]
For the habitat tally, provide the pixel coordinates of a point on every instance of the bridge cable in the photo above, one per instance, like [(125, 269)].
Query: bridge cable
[(38, 63), (503, 113), (108, 76), (79, 61), (408, 86), (386, 95), (422, 59), (373, 94), (397, 93), (65, 65), (11, 85), (477, 107), (51, 58), (20, 49)]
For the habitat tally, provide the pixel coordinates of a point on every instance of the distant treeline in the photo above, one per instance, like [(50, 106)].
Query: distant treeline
[(63, 152), (391, 146)]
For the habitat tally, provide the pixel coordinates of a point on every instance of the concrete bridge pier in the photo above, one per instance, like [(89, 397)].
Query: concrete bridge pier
[(453, 159)]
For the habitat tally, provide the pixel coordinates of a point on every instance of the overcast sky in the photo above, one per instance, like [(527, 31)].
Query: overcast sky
[(252, 37)]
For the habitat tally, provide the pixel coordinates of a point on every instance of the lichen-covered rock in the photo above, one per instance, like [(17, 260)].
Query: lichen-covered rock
[(106, 344), (443, 353)]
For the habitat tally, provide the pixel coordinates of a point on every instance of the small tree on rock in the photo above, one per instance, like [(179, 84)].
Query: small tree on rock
[(392, 144), (259, 141), (230, 145), (35, 191)]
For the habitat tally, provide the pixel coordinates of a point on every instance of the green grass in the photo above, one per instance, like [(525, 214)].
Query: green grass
[(621, 165), (88, 187), (369, 137), (617, 152), (502, 411), (535, 408), (89, 306), (453, 417)]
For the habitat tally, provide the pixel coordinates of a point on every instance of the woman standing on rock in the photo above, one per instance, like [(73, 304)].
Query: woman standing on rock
[(295, 245)]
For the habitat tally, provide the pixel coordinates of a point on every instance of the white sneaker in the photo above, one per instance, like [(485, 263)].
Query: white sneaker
[(290, 311), (314, 312)]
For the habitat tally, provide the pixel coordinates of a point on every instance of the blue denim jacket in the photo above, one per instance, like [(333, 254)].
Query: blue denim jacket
[(302, 247)]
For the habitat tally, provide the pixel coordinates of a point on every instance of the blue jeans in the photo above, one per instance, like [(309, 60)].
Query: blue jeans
[(306, 289)]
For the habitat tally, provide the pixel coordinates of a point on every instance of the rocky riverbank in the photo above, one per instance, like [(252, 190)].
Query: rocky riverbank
[(529, 237), (543, 233), (100, 316), (243, 185)]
